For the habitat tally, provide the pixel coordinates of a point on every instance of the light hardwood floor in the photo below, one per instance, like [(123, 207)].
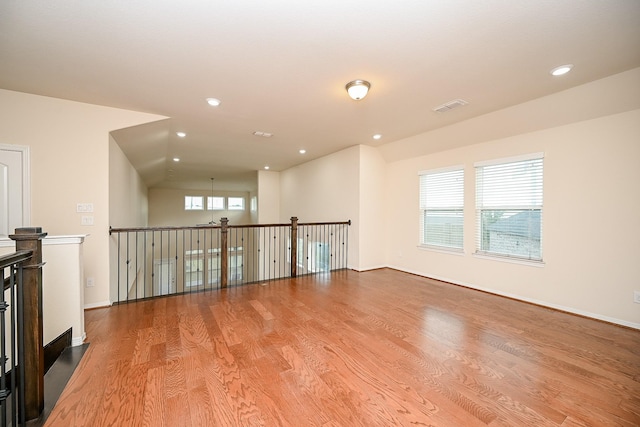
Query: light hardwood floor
[(380, 348)]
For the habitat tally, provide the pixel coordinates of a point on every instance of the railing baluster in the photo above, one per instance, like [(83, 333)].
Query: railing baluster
[(218, 256)]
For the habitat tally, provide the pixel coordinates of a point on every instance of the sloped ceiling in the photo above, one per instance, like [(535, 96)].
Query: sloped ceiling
[(281, 67)]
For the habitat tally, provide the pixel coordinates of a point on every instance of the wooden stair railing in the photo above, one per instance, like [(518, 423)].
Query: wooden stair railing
[(30, 355)]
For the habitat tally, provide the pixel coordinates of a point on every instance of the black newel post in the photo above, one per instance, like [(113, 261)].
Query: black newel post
[(31, 355)]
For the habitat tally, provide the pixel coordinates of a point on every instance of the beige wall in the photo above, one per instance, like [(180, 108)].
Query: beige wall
[(325, 189), (268, 197), (372, 211), (166, 207), (128, 200), (591, 232), (69, 147)]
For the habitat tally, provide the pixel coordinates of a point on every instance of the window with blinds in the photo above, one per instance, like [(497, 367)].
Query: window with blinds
[(442, 208), (509, 207)]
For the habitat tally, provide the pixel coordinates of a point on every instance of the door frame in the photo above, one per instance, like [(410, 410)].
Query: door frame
[(26, 179)]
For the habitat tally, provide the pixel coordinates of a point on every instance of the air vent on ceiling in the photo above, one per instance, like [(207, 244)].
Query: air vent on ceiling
[(448, 106), (263, 134)]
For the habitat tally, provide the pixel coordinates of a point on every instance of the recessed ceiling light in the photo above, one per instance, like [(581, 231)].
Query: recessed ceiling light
[(377, 136), (302, 151), (561, 70), (176, 159), (214, 102), (181, 134), (266, 167)]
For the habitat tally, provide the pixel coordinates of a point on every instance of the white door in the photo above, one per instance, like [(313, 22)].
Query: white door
[(14, 188)]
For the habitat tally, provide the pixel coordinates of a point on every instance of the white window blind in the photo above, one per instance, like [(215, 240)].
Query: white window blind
[(442, 208), (509, 208)]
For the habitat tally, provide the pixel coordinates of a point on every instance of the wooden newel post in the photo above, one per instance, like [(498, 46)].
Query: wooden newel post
[(294, 246), (224, 252), (32, 359)]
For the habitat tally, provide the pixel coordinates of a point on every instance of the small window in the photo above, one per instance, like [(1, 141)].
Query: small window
[(215, 203), (193, 203), (442, 208), (509, 207), (235, 203), (254, 204)]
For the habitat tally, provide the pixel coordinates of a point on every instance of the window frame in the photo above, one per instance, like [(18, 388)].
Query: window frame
[(449, 175), (232, 208), (210, 202), (527, 201), (190, 206)]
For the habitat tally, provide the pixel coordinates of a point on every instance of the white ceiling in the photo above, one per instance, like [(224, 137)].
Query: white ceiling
[(280, 66)]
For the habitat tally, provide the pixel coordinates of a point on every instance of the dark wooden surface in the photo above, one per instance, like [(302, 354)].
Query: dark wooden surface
[(380, 348)]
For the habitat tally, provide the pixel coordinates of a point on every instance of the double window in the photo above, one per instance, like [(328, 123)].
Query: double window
[(508, 208)]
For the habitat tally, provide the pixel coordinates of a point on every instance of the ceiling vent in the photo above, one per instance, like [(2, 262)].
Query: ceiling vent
[(448, 106), (263, 134)]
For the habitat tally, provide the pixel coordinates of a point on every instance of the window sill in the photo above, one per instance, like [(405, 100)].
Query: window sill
[(442, 249), (521, 261)]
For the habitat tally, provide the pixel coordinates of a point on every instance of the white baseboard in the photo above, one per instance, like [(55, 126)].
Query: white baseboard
[(101, 304), (375, 267), (529, 300), (76, 341)]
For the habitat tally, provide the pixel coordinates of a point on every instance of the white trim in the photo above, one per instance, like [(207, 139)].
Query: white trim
[(26, 179), (512, 260), (6, 242), (76, 341), (64, 240), (374, 267), (101, 304), (441, 170), (442, 249), (521, 158), (529, 300)]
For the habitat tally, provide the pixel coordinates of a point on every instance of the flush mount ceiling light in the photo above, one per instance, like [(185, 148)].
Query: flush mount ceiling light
[(358, 89), (302, 151), (176, 159), (561, 70), (214, 102), (181, 134), (377, 136), (266, 168)]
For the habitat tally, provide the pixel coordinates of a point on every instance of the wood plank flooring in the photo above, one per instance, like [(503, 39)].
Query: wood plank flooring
[(380, 348)]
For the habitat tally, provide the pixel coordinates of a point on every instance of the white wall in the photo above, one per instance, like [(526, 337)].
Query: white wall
[(591, 226), (268, 197), (166, 207), (62, 286), (325, 189), (373, 209), (128, 198), (69, 147)]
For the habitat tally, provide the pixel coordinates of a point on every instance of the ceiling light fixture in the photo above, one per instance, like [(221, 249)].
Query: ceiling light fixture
[(266, 168), (214, 102), (561, 70), (358, 89), (176, 159), (302, 151), (377, 136), (181, 134)]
